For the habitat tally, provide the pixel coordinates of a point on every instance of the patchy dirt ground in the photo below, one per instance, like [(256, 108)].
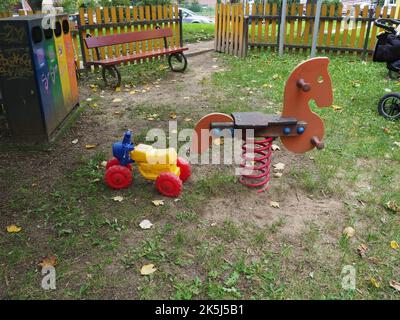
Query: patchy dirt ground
[(140, 107)]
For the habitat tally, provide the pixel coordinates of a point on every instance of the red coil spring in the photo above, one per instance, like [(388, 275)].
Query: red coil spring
[(256, 153)]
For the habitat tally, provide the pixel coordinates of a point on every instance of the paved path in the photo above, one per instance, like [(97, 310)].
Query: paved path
[(199, 47)]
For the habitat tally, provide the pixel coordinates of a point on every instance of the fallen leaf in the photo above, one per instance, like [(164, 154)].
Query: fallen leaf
[(394, 245), (375, 283), (89, 99), (279, 166), (75, 141), (362, 249), (336, 108), (388, 90), (172, 115), (147, 269), (150, 119), (349, 232), (395, 285), (277, 174), (90, 146), (274, 204), (118, 89), (275, 147), (145, 224), (396, 143), (133, 92), (13, 229), (386, 130), (48, 262), (117, 100), (275, 76), (118, 198), (188, 119), (103, 164), (393, 206), (158, 202)]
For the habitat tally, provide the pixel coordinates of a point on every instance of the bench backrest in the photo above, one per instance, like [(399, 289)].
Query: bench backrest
[(103, 41)]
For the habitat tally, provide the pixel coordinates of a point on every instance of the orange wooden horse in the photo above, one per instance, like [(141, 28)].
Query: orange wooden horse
[(299, 128)]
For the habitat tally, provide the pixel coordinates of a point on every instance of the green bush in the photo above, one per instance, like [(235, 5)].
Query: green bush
[(194, 6), (7, 5)]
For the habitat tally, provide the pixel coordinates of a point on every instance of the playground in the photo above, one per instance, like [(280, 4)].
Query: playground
[(326, 227), (219, 239)]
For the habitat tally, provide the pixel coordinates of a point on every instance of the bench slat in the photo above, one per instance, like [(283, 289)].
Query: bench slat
[(134, 57), (103, 41)]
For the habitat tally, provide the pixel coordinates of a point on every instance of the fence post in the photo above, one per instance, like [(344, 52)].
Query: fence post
[(180, 29), (370, 15), (81, 34), (282, 31), (316, 29)]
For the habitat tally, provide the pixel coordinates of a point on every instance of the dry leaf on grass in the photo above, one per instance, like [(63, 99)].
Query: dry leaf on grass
[(90, 146), (393, 206), (48, 262), (362, 250), (375, 283), (172, 115), (274, 204), (118, 89), (158, 202), (275, 147), (277, 174), (75, 141), (279, 166), (147, 269), (13, 229), (117, 100), (118, 198), (394, 245), (336, 108), (395, 285), (145, 224), (349, 232)]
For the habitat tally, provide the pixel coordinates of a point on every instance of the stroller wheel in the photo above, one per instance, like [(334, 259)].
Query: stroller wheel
[(394, 75), (389, 106)]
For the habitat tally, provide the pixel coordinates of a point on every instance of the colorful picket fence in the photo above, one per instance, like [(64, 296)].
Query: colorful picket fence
[(231, 30), (117, 20), (350, 30)]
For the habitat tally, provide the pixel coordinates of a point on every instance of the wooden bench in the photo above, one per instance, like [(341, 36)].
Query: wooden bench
[(108, 64)]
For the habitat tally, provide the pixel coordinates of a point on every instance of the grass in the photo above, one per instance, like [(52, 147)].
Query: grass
[(100, 248), (194, 32)]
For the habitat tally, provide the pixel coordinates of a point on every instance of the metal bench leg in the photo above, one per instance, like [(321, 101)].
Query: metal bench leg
[(111, 76), (177, 62)]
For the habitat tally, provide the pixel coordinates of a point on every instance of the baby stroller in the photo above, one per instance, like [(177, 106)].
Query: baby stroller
[(387, 49)]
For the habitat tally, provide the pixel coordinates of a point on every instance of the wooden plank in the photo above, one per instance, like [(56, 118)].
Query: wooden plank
[(307, 29), (330, 25), (177, 35), (100, 31), (117, 48), (83, 33), (322, 26), (236, 34), (154, 25), (136, 28), (92, 33), (267, 23), (75, 43), (372, 39), (232, 28), (346, 28), (260, 23), (273, 29), (224, 8), (240, 36), (337, 30), (216, 19), (355, 25), (167, 25), (122, 30), (147, 16), (299, 23), (143, 44), (361, 38), (106, 13), (171, 16), (162, 25), (291, 23), (253, 23), (129, 29)]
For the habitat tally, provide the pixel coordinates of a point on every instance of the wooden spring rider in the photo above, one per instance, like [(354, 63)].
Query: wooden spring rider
[(299, 128)]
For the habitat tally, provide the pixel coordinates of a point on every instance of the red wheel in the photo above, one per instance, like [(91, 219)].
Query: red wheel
[(184, 165), (169, 184), (118, 177), (115, 162)]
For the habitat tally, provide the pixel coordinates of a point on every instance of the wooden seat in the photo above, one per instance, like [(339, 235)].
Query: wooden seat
[(109, 63)]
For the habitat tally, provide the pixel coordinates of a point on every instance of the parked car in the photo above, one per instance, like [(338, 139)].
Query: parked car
[(189, 16)]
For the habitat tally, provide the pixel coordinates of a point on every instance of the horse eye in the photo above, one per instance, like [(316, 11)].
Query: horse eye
[(320, 79)]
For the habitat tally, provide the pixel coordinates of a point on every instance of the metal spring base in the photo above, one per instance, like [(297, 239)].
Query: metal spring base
[(256, 153)]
